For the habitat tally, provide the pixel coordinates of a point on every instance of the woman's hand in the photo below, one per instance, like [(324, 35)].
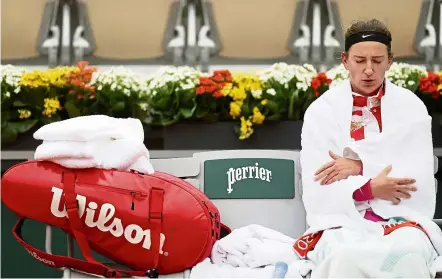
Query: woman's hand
[(338, 169), (391, 188)]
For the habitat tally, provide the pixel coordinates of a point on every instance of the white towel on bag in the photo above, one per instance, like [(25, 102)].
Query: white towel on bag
[(96, 141), (90, 128)]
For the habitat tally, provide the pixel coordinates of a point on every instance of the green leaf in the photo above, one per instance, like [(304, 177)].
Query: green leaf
[(8, 135), (273, 106), (273, 117), (72, 110), (138, 112), (162, 102), (293, 113), (47, 120), (35, 96), (201, 112), (119, 106), (6, 115), (308, 102), (18, 103), (168, 122), (55, 92), (187, 112), (246, 110), (23, 125)]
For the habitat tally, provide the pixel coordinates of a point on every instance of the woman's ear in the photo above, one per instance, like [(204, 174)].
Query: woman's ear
[(390, 61)]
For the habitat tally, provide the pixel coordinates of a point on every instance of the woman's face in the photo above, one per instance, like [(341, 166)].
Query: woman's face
[(367, 63)]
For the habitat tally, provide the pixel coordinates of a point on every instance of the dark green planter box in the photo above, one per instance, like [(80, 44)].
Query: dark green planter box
[(437, 131), (221, 135)]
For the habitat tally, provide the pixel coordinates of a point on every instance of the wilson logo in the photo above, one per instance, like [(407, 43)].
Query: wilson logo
[(133, 233), (33, 254)]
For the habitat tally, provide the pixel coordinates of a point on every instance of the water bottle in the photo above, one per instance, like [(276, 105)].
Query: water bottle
[(280, 270)]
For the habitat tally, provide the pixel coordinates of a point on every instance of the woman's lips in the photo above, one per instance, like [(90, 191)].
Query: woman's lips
[(368, 81)]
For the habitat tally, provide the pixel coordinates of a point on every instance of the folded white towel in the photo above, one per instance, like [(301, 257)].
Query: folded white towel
[(91, 127), (142, 164), (267, 251), (436, 266), (207, 269), (122, 154), (253, 246)]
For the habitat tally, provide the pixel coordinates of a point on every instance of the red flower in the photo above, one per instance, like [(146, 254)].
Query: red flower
[(219, 86), (200, 90), (218, 78), (222, 72), (218, 94), (211, 88), (323, 78), (205, 81), (430, 84), (319, 80), (214, 83), (315, 84)]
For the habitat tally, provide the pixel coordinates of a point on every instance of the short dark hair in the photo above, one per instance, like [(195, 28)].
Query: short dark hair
[(369, 25)]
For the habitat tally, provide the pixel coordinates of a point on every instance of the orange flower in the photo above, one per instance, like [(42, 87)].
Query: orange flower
[(214, 83), (79, 80)]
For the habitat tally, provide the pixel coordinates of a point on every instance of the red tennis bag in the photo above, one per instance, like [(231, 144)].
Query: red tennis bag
[(154, 224)]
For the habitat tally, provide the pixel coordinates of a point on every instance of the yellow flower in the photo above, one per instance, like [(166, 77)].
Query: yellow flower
[(238, 93), (44, 78), (24, 113), (51, 107), (243, 84), (264, 102), (439, 88), (255, 85), (227, 89), (235, 109), (250, 81), (246, 130), (257, 117)]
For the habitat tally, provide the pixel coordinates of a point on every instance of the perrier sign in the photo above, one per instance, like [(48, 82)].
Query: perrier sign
[(249, 178)]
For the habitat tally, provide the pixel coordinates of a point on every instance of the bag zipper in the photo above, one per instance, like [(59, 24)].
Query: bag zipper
[(133, 193), (211, 219)]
